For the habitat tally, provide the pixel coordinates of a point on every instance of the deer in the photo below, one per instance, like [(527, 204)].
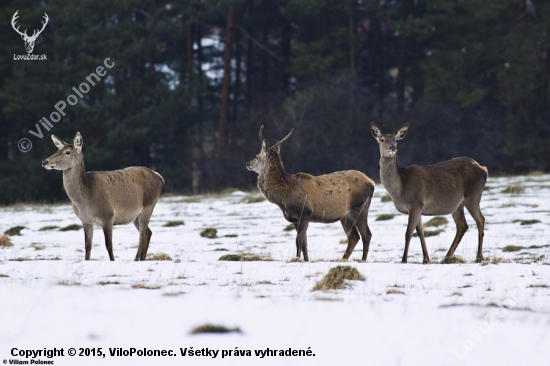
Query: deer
[(440, 189), (343, 196), (107, 198), (29, 40)]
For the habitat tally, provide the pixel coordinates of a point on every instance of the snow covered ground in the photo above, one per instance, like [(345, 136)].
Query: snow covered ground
[(494, 313)]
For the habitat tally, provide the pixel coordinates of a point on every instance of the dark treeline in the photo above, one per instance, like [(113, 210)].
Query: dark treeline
[(194, 80)]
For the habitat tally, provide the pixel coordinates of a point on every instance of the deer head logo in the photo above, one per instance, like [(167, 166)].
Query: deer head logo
[(29, 40)]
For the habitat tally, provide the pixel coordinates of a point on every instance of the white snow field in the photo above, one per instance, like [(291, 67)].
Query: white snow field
[(493, 313)]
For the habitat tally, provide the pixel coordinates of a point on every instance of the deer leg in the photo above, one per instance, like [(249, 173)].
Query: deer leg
[(144, 233), (414, 217), (461, 227), (362, 225), (351, 233), (420, 231), (301, 237), (473, 209), (108, 232), (138, 254), (88, 235)]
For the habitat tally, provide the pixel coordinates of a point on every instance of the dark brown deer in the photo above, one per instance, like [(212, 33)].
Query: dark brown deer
[(107, 198), (303, 198), (439, 189)]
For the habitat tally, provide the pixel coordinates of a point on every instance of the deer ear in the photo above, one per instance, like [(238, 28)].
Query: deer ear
[(375, 130), (58, 142), (278, 149), (77, 142), (402, 132)]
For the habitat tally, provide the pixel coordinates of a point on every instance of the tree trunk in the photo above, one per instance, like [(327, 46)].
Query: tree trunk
[(351, 26), (404, 12), (222, 128)]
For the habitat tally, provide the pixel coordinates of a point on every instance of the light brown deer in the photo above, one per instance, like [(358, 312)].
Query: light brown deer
[(107, 198), (303, 198), (439, 189)]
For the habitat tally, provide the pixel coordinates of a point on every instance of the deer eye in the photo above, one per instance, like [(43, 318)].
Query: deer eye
[(67, 153), (382, 140)]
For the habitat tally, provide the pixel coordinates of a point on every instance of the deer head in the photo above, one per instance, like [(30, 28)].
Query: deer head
[(388, 142), (259, 163), (67, 156), (29, 40)]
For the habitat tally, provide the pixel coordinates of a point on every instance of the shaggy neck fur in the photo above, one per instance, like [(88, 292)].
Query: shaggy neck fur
[(75, 180), (273, 181)]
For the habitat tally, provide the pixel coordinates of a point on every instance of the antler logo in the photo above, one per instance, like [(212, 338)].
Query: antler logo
[(29, 40)]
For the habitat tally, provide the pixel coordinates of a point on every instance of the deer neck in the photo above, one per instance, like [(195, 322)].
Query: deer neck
[(75, 182), (389, 175), (272, 181)]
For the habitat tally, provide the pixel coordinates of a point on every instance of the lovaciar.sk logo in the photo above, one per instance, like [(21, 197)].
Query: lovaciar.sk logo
[(29, 40)]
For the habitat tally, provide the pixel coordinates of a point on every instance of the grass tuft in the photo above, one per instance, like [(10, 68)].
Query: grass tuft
[(145, 287), (158, 257), (221, 250), (428, 233), (393, 291), (173, 223), (5, 241), (437, 221), (72, 227), (209, 233), (16, 230), (527, 222), (214, 328), (385, 217), (512, 248), (48, 228), (513, 190), (104, 283), (453, 260), (253, 199), (336, 277), (3, 275), (289, 227), (386, 198), (537, 285), (243, 258), (296, 260), (228, 191)]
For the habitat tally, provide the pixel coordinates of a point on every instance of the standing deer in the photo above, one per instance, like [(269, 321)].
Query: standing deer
[(29, 40), (303, 198), (107, 198), (439, 189)]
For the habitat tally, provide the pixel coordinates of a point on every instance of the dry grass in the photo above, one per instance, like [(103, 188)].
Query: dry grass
[(48, 228), (538, 285), (244, 257), (253, 199), (336, 277), (214, 328), (428, 233), (296, 260), (384, 217), (174, 293), (72, 227), (386, 198), (437, 221), (3, 275), (393, 291), (513, 190), (104, 283), (5, 241), (145, 287), (174, 223), (209, 233), (69, 283), (20, 259), (453, 260), (527, 222), (159, 257), (289, 227), (512, 248), (16, 230)]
